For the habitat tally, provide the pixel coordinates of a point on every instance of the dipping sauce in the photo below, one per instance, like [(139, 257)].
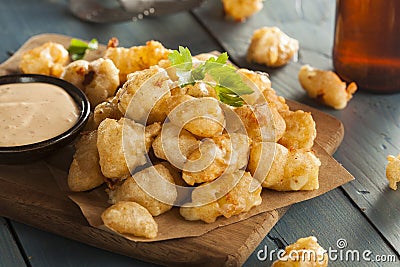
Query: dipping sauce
[(34, 112)]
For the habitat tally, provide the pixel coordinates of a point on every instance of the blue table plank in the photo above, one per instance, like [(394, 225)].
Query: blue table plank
[(45, 249), (10, 254)]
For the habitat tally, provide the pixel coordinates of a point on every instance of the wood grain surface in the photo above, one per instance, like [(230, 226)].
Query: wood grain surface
[(31, 203)]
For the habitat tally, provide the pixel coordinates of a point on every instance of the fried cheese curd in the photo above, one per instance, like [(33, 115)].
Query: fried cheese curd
[(107, 109), (393, 171), (293, 129), (214, 157), (262, 122), (140, 188), (258, 81), (98, 79), (202, 116), (240, 10), (263, 92), (85, 173), (171, 140), (123, 145), (142, 97), (326, 87), (272, 47), (47, 59), (305, 252), (300, 130), (282, 169), (209, 204), (129, 60), (127, 217)]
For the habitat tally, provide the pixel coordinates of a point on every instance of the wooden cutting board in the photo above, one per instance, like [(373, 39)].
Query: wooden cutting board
[(42, 204)]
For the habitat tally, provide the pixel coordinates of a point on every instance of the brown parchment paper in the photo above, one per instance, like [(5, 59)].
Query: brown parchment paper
[(50, 177)]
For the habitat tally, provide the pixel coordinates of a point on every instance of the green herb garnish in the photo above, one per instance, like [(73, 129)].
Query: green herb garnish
[(77, 48), (228, 84)]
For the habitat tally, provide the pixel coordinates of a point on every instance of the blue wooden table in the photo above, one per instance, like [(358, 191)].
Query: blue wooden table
[(365, 213)]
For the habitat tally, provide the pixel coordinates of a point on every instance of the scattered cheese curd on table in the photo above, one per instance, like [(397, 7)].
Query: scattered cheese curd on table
[(272, 47), (326, 87), (306, 252), (393, 171), (240, 10)]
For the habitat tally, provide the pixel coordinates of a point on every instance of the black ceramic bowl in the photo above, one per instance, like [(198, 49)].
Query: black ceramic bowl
[(31, 152)]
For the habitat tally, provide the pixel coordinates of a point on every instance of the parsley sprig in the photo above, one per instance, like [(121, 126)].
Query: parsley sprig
[(77, 48), (227, 83)]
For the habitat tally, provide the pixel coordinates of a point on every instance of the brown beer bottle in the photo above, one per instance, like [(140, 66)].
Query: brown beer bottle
[(367, 44)]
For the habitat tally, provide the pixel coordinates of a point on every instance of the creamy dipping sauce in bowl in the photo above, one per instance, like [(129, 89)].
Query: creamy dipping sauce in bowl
[(38, 114), (34, 112)]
